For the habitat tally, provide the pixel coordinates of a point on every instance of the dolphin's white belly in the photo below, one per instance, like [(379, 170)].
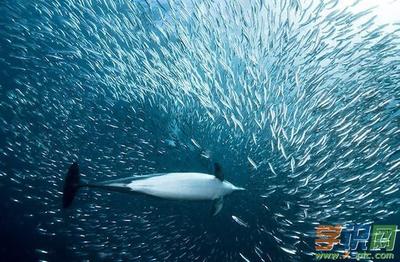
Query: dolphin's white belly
[(184, 186)]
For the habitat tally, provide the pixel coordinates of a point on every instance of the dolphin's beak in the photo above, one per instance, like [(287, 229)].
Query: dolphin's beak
[(239, 189)]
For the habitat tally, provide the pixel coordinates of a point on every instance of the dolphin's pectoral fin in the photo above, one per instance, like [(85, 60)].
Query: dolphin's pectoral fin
[(218, 171), (217, 206)]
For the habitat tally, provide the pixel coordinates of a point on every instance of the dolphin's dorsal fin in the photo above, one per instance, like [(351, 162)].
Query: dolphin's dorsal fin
[(217, 206), (218, 172)]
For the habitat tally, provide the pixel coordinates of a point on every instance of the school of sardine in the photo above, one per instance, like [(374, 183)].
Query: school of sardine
[(299, 101)]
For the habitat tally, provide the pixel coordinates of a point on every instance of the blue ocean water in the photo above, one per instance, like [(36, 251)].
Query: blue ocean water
[(298, 101)]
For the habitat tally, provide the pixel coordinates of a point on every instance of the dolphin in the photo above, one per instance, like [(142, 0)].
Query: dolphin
[(173, 186)]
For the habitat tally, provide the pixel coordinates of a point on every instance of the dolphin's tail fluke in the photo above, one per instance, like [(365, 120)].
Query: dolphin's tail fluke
[(71, 185)]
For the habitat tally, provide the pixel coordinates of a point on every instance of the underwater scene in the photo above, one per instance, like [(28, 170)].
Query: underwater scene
[(199, 130)]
